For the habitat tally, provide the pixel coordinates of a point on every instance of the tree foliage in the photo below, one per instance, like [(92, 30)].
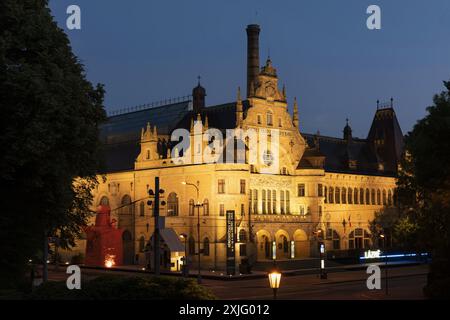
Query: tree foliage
[(424, 186), (49, 122)]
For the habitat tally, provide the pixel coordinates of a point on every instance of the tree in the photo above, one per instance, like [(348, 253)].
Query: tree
[(424, 188), (49, 146), (397, 226)]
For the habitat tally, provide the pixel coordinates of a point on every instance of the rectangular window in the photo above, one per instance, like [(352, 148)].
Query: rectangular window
[(255, 201), (250, 202), (264, 201), (302, 210), (221, 186), (288, 203), (259, 119), (274, 201), (269, 119), (301, 190), (222, 210), (320, 190), (269, 202), (282, 202), (242, 186), (242, 210)]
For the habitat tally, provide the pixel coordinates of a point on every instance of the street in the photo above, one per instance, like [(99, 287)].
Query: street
[(403, 283)]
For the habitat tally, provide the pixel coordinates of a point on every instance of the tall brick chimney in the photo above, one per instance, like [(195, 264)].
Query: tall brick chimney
[(252, 56)]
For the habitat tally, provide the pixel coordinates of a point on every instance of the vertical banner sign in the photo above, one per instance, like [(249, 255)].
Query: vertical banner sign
[(231, 240)]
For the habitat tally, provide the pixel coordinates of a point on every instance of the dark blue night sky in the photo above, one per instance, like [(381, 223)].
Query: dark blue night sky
[(148, 50)]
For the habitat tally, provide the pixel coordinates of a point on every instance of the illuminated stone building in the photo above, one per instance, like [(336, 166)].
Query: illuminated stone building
[(326, 188)]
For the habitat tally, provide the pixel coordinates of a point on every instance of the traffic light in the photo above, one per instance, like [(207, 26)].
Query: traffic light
[(153, 197)]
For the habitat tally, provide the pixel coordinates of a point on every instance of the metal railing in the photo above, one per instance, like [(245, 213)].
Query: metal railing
[(150, 105)]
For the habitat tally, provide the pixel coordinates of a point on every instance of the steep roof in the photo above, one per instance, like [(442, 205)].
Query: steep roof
[(121, 137)]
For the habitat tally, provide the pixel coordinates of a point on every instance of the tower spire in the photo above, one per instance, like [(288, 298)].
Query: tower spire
[(295, 114)]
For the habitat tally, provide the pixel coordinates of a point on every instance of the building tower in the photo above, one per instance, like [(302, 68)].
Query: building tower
[(252, 57), (198, 97)]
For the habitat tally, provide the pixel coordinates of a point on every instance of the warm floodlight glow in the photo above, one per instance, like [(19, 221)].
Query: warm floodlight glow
[(109, 261)]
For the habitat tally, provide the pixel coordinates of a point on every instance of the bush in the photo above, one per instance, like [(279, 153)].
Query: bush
[(125, 288), (77, 259)]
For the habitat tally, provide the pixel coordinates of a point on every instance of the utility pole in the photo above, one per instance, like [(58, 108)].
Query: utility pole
[(156, 234)]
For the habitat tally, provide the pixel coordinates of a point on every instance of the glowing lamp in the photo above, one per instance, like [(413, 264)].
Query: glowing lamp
[(274, 281)]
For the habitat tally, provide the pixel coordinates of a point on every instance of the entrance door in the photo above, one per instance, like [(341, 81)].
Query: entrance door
[(128, 248)]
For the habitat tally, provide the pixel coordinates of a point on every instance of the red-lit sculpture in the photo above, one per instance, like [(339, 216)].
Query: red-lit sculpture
[(104, 240)]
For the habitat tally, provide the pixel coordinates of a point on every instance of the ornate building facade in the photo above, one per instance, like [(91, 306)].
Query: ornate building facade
[(325, 188)]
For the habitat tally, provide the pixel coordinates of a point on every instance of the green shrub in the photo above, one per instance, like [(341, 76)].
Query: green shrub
[(77, 259), (125, 288)]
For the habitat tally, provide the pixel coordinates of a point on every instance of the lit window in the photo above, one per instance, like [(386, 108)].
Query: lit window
[(242, 186), (301, 190), (269, 119), (221, 186)]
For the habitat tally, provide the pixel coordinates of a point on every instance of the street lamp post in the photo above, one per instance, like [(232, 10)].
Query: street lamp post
[(185, 267), (274, 281), (382, 236), (197, 205)]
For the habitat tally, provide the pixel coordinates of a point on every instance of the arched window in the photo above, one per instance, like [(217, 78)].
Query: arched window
[(389, 198), (206, 247), (356, 195), (242, 236), (325, 193), (206, 207), (141, 244), (378, 197), (104, 201), (367, 196), (125, 212), (361, 196), (142, 209), (337, 196), (350, 195), (344, 195), (384, 198), (282, 202), (372, 197), (191, 207), (331, 195), (172, 204), (191, 246), (285, 244)]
